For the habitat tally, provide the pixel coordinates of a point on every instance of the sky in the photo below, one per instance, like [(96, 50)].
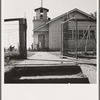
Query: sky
[(25, 9)]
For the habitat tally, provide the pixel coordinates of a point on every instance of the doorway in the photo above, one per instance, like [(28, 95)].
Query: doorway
[(41, 41)]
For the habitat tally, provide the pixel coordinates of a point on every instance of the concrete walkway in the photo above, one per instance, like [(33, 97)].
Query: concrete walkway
[(45, 58), (43, 55)]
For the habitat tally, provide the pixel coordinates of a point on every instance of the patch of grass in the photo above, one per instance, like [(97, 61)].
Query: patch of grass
[(9, 64), (11, 55), (11, 58), (16, 55)]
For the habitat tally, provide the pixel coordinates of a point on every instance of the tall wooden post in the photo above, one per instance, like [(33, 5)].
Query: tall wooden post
[(22, 38), (76, 37), (62, 39)]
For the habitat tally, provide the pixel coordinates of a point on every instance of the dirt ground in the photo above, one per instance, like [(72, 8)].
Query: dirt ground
[(91, 72), (9, 63), (88, 66)]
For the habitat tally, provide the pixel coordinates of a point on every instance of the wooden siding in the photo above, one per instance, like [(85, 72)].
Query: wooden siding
[(38, 23), (55, 35), (70, 44), (45, 28)]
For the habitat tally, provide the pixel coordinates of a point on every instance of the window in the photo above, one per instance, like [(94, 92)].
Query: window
[(92, 34), (41, 16), (80, 34), (69, 34), (74, 32), (41, 13)]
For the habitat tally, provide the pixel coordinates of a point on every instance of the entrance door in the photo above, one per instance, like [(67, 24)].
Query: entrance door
[(41, 42)]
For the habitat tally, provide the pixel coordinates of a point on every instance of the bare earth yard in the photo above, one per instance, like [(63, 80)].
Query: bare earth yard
[(9, 63), (88, 66)]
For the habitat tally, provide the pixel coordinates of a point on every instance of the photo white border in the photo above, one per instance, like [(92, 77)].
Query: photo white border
[(49, 91)]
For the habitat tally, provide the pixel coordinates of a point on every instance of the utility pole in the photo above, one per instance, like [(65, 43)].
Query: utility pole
[(62, 39), (62, 32), (76, 37)]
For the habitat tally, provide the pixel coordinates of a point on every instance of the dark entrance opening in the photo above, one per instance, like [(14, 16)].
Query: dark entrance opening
[(41, 42)]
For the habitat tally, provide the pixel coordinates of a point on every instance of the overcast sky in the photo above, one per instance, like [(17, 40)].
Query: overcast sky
[(18, 8)]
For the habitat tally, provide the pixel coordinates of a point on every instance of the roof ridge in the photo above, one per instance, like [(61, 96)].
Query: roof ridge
[(75, 9)]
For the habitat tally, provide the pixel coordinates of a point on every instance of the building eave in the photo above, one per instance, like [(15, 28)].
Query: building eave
[(61, 16), (41, 8), (36, 29)]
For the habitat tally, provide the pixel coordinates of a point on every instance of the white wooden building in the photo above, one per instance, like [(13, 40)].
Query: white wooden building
[(47, 33)]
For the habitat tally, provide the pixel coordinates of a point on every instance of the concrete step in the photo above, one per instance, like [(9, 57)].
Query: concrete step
[(46, 74), (50, 79), (59, 69)]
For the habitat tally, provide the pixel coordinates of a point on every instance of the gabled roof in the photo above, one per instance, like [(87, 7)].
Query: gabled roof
[(41, 8), (71, 12), (61, 16)]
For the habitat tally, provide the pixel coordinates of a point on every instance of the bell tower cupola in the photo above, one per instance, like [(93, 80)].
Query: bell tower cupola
[(41, 16), (41, 13)]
